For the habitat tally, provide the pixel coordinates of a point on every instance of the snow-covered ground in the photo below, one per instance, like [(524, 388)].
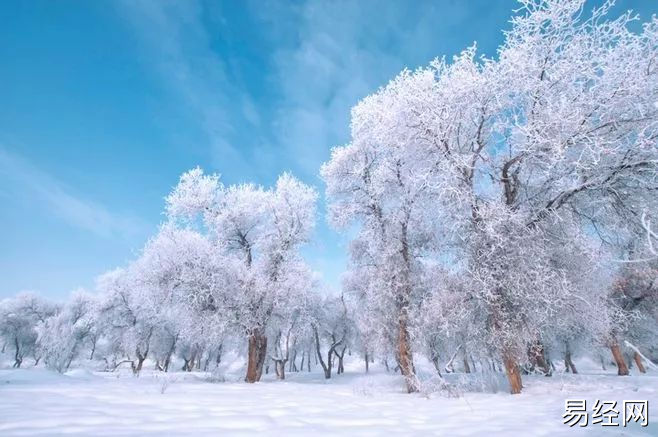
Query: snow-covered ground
[(40, 402)]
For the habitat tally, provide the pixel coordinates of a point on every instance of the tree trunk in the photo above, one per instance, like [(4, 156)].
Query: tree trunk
[(437, 364), (513, 373), (638, 362), (367, 363), (170, 352), (340, 356), (140, 363), (622, 368), (293, 367), (281, 365), (537, 357), (18, 359), (93, 350), (301, 366), (256, 355), (467, 368), (405, 357), (70, 360), (568, 363), (207, 362), (326, 367), (192, 361), (219, 355)]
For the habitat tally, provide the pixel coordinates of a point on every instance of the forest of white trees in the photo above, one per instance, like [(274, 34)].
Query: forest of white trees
[(502, 214)]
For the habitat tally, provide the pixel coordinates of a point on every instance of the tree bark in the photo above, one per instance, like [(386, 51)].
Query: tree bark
[(256, 355), (367, 363), (622, 368), (405, 357), (638, 362), (513, 373)]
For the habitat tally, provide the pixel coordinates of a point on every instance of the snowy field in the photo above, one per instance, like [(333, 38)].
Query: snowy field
[(40, 402)]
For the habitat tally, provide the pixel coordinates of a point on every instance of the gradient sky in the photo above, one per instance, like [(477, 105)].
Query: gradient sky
[(103, 104)]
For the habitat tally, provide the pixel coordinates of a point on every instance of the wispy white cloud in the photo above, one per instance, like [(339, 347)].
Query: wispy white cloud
[(178, 44), (23, 181), (342, 51)]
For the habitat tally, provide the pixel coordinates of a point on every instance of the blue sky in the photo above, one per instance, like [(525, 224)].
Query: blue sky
[(105, 103)]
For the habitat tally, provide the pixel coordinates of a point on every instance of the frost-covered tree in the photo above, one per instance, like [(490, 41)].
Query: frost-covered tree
[(380, 182), (332, 330), (63, 335), (19, 318), (131, 314), (635, 292), (507, 156), (256, 232)]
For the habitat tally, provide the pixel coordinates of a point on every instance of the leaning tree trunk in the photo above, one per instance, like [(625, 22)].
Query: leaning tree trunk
[(18, 358), (437, 364), (622, 368), (256, 355), (170, 352), (638, 362), (326, 367), (93, 348), (512, 371)]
